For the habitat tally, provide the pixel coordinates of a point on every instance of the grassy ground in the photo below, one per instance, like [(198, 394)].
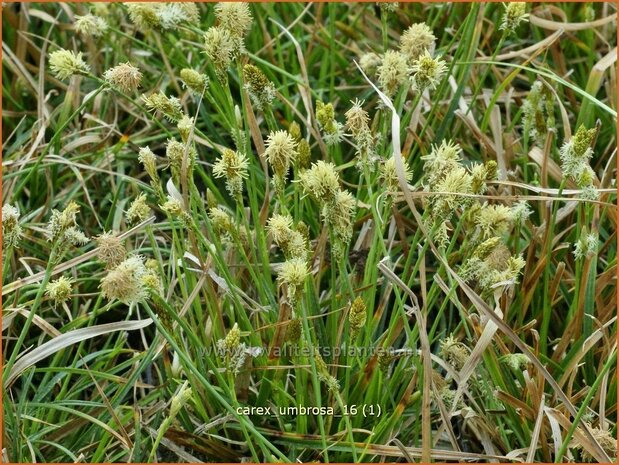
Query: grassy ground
[(457, 302)]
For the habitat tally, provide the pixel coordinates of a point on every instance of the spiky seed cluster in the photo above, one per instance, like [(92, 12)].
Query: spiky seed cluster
[(586, 245), (481, 173), (232, 350), (138, 211), (515, 13), (101, 9), (173, 207), (180, 398), (294, 330), (321, 181), (293, 274), (357, 122), (163, 16), (281, 152), (124, 77), (172, 15), (454, 352), (604, 438), (235, 17), (338, 206), (211, 199), (516, 362), (65, 63), (62, 227), (385, 358), (575, 156), (441, 235), (417, 39), (291, 241), (185, 127), (323, 372), (295, 131), (152, 280), (233, 167), (304, 157), (520, 212), (442, 159), (369, 62), (260, 89), (280, 227), (492, 266), (357, 119), (143, 15), (124, 282), (233, 338), (175, 153), (357, 316), (340, 216), (59, 290), (303, 229), (445, 175), (389, 175), (493, 220), (169, 107), (90, 25), (149, 161), (448, 396), (195, 81), (305, 154), (11, 229), (221, 221), (427, 72), (76, 237), (111, 249), (225, 226), (390, 7), (332, 129), (456, 182), (538, 111), (219, 46), (487, 247), (392, 72)]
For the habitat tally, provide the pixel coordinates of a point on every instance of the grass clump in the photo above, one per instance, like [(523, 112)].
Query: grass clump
[(210, 209)]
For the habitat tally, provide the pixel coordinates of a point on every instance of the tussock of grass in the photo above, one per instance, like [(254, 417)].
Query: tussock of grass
[(394, 226)]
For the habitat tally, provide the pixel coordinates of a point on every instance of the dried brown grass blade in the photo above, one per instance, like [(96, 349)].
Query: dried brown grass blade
[(541, 45), (556, 25), (536, 431), (589, 344)]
